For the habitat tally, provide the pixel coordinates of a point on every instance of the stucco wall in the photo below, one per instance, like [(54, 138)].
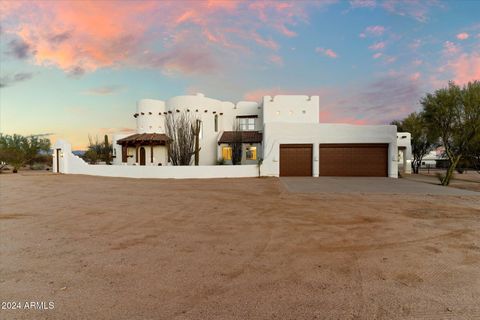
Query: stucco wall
[(71, 164), (404, 139), (291, 109), (315, 134)]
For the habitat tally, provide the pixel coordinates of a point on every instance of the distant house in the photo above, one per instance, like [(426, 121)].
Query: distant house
[(435, 159)]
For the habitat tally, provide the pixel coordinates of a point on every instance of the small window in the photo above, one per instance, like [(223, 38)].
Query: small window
[(247, 124), (251, 153), (227, 153), (216, 123)]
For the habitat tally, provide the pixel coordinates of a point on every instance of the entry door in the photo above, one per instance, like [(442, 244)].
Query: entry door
[(58, 160), (296, 160), (142, 156)]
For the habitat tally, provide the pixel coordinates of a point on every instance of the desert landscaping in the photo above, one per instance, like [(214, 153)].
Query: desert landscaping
[(251, 248)]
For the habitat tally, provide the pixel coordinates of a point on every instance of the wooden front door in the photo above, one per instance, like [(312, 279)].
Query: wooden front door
[(58, 160), (142, 156)]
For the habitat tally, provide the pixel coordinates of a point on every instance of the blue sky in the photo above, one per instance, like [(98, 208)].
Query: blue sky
[(77, 68)]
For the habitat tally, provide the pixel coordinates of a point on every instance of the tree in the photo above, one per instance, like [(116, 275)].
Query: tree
[(474, 153), (422, 140), (98, 151), (17, 150), (453, 115), (181, 128)]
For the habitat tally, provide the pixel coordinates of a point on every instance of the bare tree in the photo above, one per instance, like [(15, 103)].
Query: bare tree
[(237, 144), (182, 128)]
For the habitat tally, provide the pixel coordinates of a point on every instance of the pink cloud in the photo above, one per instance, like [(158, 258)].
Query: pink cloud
[(257, 95), (329, 116), (377, 46), (377, 55), (415, 76), (82, 36), (327, 52), (462, 36), (362, 3), (450, 48), (417, 62), (389, 97), (416, 9), (275, 59), (415, 44), (375, 30), (465, 68)]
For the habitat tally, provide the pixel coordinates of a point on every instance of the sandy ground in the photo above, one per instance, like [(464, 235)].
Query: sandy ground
[(108, 248)]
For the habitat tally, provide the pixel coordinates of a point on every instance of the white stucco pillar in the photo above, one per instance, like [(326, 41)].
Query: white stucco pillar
[(316, 159), (393, 160)]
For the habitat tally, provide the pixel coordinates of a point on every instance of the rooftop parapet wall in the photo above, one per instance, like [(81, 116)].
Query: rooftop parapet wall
[(291, 109)]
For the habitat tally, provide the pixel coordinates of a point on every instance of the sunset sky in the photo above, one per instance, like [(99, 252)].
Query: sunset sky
[(74, 68)]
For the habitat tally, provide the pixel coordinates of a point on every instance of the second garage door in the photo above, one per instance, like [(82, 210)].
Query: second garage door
[(296, 160), (354, 160)]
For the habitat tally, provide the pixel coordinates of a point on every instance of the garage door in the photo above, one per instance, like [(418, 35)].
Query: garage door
[(295, 160), (354, 160)]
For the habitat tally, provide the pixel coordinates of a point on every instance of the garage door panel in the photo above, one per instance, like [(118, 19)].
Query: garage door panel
[(295, 160), (354, 160)]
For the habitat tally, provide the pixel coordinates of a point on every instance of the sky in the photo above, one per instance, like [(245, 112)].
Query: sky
[(76, 68)]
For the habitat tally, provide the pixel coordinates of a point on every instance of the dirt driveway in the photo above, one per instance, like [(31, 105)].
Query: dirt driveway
[(371, 185), (114, 248)]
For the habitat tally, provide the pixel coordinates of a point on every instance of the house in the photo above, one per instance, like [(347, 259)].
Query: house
[(148, 146), (282, 132), (435, 159)]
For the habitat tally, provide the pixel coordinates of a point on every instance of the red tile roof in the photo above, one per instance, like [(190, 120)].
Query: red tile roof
[(145, 138), (245, 136)]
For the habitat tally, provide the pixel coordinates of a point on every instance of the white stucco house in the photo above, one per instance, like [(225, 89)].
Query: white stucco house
[(282, 133)]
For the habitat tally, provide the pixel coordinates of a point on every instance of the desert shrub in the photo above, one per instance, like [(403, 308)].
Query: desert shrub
[(38, 166)]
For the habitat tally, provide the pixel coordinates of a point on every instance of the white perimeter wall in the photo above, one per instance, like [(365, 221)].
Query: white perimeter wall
[(315, 134), (70, 163)]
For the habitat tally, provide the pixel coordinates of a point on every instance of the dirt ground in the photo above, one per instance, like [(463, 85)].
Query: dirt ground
[(114, 248), (469, 180)]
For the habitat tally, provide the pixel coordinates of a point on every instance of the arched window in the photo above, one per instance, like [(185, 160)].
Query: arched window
[(216, 123)]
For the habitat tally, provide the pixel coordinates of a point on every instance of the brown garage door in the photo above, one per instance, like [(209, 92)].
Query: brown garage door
[(295, 160), (354, 160)]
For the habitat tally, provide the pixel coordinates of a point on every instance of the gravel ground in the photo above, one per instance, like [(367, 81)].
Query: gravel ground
[(115, 248)]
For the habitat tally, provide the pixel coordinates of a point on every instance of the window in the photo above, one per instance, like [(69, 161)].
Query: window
[(247, 124), (227, 153), (251, 153), (216, 123)]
